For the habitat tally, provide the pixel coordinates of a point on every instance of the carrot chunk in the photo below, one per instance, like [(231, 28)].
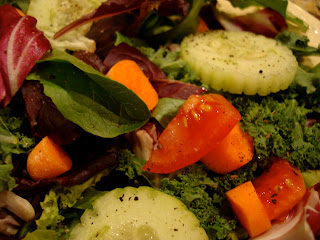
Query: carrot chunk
[(249, 209), (234, 151), (128, 73), (47, 160), (20, 12)]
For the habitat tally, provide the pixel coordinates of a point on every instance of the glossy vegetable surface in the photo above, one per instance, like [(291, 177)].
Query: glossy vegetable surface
[(234, 151), (129, 74), (47, 160), (182, 140), (280, 188), (246, 204)]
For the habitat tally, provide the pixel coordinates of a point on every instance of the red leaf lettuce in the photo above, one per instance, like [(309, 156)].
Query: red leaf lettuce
[(21, 46)]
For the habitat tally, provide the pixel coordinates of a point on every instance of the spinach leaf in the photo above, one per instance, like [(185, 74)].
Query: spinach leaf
[(89, 99)]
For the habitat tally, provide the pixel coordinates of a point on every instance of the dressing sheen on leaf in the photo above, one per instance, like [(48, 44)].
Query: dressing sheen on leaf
[(21, 46), (87, 98)]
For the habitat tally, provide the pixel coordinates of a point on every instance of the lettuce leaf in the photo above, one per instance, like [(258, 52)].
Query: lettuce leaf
[(89, 99), (6, 181), (176, 33), (311, 177), (22, 44), (56, 14), (298, 44), (166, 110), (41, 234), (60, 201), (13, 141)]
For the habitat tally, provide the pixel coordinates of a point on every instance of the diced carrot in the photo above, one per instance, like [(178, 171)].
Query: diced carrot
[(202, 26), (128, 73), (249, 209), (234, 151), (47, 160), (20, 12)]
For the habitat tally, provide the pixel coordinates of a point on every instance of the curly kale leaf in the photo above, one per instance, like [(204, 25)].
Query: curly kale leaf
[(278, 127), (203, 192)]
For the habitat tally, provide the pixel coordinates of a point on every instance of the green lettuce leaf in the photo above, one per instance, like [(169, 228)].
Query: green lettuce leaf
[(89, 99), (172, 65), (41, 234), (13, 140), (311, 177), (61, 199), (6, 181), (298, 44), (156, 33), (166, 110), (53, 15)]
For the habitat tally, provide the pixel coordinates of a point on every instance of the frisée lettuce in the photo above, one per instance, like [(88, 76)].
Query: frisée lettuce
[(54, 15)]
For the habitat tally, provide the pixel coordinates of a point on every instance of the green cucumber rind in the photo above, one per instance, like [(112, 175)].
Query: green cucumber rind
[(240, 62), (135, 213)]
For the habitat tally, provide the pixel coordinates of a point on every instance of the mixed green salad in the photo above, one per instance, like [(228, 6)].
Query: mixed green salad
[(55, 81)]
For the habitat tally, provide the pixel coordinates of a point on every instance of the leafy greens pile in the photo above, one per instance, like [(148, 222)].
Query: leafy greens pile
[(283, 124)]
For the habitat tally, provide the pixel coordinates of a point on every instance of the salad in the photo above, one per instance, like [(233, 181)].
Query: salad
[(158, 119)]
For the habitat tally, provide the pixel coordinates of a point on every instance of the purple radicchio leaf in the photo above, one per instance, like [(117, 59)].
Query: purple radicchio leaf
[(175, 89), (91, 59), (21, 46), (266, 22), (107, 9), (124, 51), (44, 117), (113, 8)]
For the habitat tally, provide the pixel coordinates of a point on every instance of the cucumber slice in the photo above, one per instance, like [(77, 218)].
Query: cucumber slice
[(140, 214), (240, 62)]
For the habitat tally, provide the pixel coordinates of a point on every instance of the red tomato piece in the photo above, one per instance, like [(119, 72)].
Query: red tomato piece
[(202, 122), (280, 188)]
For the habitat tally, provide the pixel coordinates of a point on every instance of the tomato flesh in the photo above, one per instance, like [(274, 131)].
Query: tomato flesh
[(280, 188), (202, 122)]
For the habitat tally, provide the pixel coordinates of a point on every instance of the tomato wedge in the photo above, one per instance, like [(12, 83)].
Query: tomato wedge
[(202, 122), (280, 188)]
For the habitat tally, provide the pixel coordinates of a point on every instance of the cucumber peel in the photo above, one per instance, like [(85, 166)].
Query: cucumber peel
[(138, 213), (240, 62)]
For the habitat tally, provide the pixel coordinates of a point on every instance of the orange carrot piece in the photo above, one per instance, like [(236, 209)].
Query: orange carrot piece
[(234, 151), (249, 209), (202, 26), (47, 160), (20, 12), (128, 73)]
